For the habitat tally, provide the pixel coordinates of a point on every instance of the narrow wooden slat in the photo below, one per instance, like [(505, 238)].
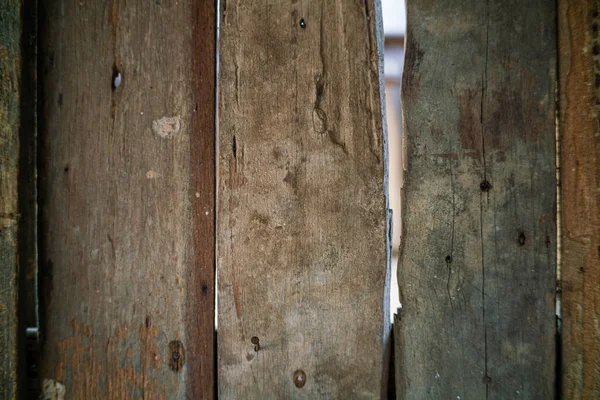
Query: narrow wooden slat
[(302, 210), (579, 46), (10, 69), (477, 267), (201, 306), (127, 198)]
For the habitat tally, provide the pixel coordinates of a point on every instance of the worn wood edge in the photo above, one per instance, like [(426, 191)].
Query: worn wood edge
[(388, 344), (578, 44), (28, 307), (10, 162)]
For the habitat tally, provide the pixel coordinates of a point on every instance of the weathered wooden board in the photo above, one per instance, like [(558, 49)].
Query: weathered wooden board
[(127, 197), (10, 69), (477, 267), (579, 77), (302, 242)]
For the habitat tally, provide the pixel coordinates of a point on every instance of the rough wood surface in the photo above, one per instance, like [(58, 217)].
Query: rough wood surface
[(477, 268), (10, 68), (302, 210), (579, 46), (127, 198)]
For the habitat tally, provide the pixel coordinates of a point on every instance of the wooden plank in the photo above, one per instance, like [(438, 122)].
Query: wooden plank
[(580, 181), (302, 210), (10, 69), (127, 198), (477, 267)]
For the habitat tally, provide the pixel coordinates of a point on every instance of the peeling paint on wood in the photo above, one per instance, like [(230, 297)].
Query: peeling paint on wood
[(302, 210), (579, 45), (477, 264)]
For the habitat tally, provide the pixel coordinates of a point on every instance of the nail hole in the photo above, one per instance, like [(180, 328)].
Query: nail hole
[(522, 239), (116, 79), (448, 259), (177, 355), (299, 378), (485, 186), (256, 342), (302, 23)]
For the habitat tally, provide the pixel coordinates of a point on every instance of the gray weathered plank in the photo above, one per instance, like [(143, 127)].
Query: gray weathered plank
[(10, 68), (477, 267), (127, 198), (302, 210), (579, 46)]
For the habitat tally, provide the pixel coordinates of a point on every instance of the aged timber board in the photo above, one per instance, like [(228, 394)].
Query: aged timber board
[(127, 197), (10, 68), (302, 241), (477, 266), (579, 78)]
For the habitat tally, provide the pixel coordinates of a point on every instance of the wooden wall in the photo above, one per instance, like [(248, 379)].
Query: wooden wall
[(130, 229)]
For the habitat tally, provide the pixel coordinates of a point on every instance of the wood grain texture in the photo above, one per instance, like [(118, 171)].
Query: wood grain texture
[(302, 242), (477, 266), (10, 69), (127, 198), (579, 45)]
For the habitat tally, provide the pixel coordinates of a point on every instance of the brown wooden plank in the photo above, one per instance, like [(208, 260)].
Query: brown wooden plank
[(127, 198), (302, 210), (201, 307), (10, 70), (477, 267), (580, 180)]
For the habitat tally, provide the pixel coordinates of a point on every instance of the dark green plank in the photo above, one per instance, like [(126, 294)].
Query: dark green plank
[(477, 268)]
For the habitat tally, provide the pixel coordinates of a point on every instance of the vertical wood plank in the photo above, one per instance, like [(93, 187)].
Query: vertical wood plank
[(302, 238), (580, 181), (127, 198), (477, 267), (10, 68), (200, 321)]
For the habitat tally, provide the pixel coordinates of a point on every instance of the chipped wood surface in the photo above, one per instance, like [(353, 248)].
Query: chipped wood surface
[(10, 67), (579, 45), (477, 268), (302, 210), (127, 198)]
